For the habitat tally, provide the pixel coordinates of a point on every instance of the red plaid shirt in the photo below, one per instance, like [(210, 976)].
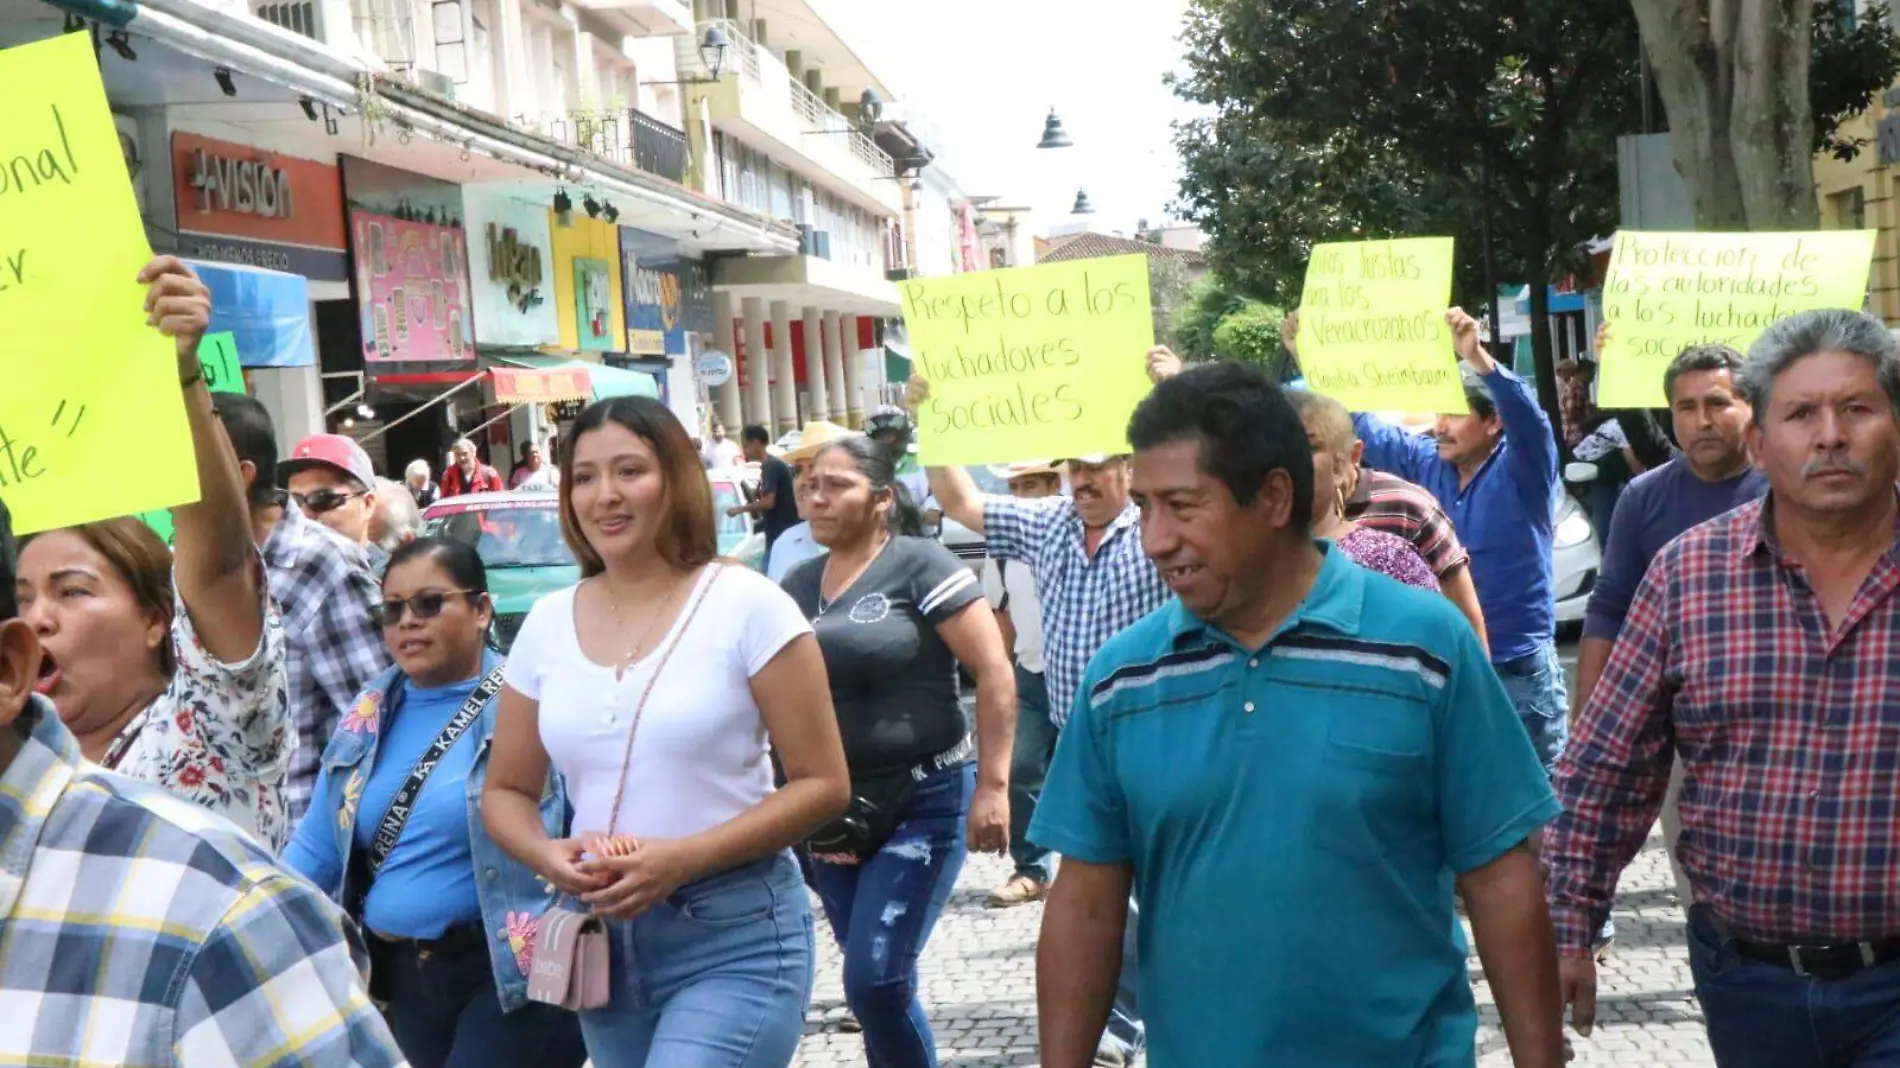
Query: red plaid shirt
[(1789, 734)]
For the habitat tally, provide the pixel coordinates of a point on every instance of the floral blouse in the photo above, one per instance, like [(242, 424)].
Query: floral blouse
[(220, 735), (1388, 554)]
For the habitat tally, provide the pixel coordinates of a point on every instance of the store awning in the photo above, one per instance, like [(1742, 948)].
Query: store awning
[(541, 386), (598, 381)]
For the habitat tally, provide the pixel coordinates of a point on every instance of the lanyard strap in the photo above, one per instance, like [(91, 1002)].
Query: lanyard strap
[(404, 803)]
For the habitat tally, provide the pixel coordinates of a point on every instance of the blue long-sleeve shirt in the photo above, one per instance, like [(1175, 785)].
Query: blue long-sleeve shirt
[(1505, 516)]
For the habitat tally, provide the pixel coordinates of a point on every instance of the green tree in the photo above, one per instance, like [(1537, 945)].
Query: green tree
[(1493, 122)]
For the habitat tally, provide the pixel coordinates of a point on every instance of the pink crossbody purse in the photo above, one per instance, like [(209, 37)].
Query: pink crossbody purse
[(571, 957)]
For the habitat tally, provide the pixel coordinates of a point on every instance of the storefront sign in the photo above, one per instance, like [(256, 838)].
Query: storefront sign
[(412, 284), (513, 271), (240, 205), (651, 269), (587, 286), (536, 387), (714, 368)]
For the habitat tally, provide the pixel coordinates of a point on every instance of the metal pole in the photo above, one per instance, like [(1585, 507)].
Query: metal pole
[(512, 409), (387, 427)]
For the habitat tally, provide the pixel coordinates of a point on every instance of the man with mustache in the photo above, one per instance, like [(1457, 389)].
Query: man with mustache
[(1758, 651), (1712, 476), (1494, 471)]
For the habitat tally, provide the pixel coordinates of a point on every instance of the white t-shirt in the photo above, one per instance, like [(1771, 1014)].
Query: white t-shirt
[(1015, 589), (700, 757), (723, 453)]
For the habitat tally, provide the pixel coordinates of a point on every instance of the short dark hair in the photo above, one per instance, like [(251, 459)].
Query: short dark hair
[(458, 558), (758, 434), (9, 600), (1244, 424), (1713, 356), (247, 423)]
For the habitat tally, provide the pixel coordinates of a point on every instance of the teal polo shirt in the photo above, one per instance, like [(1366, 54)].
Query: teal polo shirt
[(1295, 816)]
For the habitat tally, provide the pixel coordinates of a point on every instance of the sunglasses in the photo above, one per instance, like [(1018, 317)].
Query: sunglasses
[(425, 605), (325, 500)]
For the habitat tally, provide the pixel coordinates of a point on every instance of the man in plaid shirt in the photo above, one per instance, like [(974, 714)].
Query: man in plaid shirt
[(324, 591), (1759, 649), (138, 929)]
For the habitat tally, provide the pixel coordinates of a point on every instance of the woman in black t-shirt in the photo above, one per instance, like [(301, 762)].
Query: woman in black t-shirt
[(894, 614)]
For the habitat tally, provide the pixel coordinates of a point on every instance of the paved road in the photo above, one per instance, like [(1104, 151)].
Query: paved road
[(979, 983)]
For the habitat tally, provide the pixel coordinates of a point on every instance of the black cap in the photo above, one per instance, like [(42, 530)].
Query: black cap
[(9, 601)]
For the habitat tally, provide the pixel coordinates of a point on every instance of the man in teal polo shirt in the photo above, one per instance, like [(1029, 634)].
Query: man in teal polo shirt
[(1294, 764)]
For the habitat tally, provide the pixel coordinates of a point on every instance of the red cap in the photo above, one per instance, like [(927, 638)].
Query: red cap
[(333, 451)]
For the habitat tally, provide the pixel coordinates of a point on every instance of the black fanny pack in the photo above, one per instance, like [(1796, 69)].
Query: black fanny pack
[(878, 802)]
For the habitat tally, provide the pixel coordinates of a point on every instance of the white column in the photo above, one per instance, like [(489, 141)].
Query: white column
[(853, 371), (817, 368), (785, 389), (731, 415), (834, 369), (758, 364)]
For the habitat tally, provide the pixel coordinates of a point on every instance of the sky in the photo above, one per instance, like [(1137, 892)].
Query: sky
[(986, 73)]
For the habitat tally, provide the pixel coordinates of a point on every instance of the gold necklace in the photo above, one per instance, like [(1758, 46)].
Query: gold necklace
[(613, 605)]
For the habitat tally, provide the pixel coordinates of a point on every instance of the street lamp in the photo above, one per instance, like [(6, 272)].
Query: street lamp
[(713, 48), (1053, 135), (1082, 205)]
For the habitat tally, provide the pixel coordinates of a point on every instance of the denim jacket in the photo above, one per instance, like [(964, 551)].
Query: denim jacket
[(512, 896)]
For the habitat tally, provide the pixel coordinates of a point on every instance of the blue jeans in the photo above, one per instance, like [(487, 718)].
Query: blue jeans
[(1029, 766), (1762, 1015), (1535, 683), (884, 910), (444, 1012), (717, 976)]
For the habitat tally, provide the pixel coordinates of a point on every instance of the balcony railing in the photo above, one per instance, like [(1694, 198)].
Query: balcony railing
[(658, 148), (297, 16), (753, 63), (625, 136)]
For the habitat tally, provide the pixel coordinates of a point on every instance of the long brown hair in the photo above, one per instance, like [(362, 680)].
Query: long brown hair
[(142, 559), (688, 536)]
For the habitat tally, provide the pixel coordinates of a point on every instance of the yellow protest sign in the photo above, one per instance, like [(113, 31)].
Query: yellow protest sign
[(1667, 291), (1372, 325), (1030, 361), (92, 423)]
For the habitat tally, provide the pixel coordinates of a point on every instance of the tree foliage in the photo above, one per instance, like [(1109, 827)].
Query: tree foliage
[(1216, 322), (1855, 58), (1342, 119)]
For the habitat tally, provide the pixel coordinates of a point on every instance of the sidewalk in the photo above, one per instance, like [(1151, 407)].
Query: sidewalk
[(980, 984)]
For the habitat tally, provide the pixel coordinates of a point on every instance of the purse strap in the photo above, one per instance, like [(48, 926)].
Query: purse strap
[(626, 756), (396, 816)]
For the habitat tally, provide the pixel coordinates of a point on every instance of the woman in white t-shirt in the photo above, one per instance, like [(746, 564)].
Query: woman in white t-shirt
[(678, 837)]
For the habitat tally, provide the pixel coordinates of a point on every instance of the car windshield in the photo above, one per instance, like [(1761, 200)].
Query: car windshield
[(527, 536), (726, 495)]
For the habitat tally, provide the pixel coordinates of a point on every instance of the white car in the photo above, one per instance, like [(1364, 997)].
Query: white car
[(1575, 559)]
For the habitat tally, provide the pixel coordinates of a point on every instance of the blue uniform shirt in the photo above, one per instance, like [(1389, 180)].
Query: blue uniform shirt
[(1506, 517), (1294, 817), (427, 884)]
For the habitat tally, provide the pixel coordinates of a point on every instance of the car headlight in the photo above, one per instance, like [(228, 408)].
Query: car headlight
[(1572, 530)]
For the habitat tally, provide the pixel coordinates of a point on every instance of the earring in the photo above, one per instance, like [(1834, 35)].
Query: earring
[(1339, 501)]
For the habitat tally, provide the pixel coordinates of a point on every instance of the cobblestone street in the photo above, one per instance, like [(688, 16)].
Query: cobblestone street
[(979, 983)]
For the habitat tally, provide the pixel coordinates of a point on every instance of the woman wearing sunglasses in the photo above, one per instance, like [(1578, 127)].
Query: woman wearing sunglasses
[(659, 687), (394, 831)]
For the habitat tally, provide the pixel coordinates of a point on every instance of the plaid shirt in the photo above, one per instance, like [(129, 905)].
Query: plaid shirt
[(1085, 601), (1389, 503), (136, 929), (1787, 730), (324, 591)]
